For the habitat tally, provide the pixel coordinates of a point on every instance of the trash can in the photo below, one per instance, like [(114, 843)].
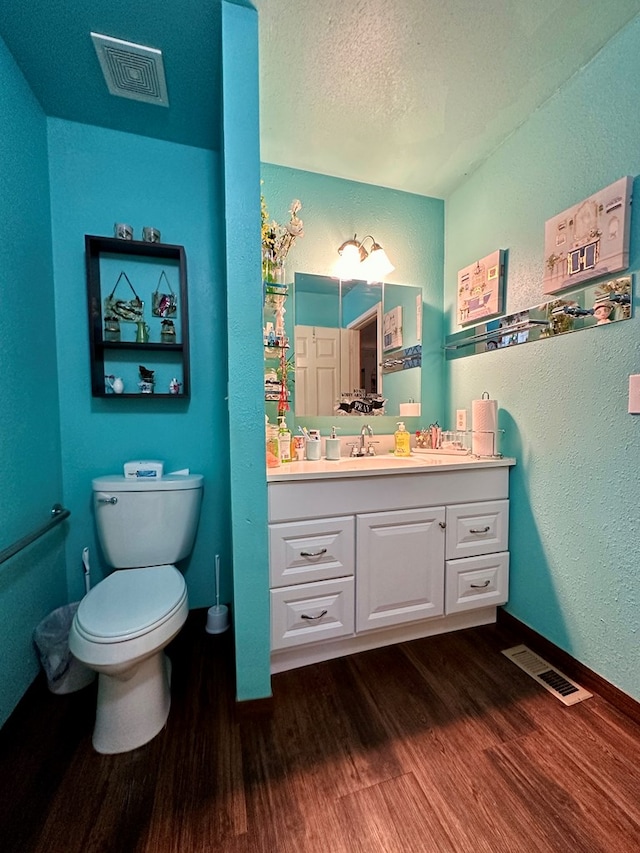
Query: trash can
[(64, 673)]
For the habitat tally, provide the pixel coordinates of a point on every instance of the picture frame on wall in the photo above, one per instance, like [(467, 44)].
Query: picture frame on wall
[(392, 329), (481, 289), (590, 239)]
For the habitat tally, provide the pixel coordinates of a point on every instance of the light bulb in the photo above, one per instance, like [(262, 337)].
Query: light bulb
[(377, 265), (348, 263)]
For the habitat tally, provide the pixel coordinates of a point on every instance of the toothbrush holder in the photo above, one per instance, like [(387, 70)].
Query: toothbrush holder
[(313, 449)]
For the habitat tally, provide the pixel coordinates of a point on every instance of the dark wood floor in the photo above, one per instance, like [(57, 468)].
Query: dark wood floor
[(436, 746)]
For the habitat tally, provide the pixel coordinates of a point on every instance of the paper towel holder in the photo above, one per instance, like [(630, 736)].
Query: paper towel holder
[(493, 433)]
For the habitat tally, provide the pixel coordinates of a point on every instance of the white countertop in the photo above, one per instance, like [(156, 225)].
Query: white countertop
[(383, 464)]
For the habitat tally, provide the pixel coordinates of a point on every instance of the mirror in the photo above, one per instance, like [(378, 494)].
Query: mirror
[(354, 343)]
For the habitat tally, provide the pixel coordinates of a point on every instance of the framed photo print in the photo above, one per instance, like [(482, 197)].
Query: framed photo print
[(480, 289)]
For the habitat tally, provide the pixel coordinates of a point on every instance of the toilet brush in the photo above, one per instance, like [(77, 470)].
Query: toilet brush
[(87, 570), (218, 615)]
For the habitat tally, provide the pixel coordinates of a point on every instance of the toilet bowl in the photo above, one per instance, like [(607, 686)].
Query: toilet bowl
[(123, 624), (120, 630)]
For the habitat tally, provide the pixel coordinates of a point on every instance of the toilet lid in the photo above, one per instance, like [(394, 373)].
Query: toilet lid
[(129, 601)]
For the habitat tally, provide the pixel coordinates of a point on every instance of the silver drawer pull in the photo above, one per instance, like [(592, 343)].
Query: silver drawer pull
[(313, 553), (112, 500), (480, 585), (314, 618), (484, 530)]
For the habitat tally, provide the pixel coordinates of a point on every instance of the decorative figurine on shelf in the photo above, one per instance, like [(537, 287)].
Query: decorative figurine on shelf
[(142, 332), (147, 380), (279, 325), (602, 312), (269, 335), (167, 332), (123, 231), (111, 329), (114, 383), (174, 386), (150, 235)]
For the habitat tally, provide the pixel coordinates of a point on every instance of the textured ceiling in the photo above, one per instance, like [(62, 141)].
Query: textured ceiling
[(410, 94), (415, 94)]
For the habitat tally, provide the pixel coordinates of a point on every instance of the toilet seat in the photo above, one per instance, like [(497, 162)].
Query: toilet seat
[(129, 603)]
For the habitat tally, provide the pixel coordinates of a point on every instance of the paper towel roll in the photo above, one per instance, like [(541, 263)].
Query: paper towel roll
[(484, 423)]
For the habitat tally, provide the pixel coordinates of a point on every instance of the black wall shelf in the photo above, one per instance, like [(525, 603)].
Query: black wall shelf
[(173, 356)]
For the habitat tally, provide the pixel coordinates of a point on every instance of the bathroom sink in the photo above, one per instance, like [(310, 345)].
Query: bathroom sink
[(387, 461)]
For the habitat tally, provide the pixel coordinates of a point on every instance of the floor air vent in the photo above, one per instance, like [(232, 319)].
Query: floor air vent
[(553, 680), (132, 70)]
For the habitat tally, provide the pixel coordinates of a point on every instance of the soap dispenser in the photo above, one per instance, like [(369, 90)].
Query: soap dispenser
[(332, 445), (284, 440), (273, 443), (402, 441)]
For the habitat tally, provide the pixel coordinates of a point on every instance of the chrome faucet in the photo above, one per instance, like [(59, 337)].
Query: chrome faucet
[(361, 448), (366, 430)]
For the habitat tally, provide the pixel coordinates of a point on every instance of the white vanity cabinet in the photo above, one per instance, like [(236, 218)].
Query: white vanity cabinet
[(365, 560)]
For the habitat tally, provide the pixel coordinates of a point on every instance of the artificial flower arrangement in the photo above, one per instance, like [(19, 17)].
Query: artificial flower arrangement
[(278, 240)]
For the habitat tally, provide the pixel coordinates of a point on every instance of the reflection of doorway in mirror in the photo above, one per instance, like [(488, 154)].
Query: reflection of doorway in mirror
[(363, 352), (369, 357)]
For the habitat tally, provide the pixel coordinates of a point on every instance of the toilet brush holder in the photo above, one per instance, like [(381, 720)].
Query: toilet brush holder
[(217, 619)]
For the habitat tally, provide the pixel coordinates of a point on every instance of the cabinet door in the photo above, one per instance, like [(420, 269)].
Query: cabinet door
[(399, 567)]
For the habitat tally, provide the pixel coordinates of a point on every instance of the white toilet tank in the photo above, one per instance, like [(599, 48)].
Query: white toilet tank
[(147, 522)]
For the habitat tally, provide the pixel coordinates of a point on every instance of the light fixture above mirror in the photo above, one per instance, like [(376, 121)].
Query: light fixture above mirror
[(356, 262)]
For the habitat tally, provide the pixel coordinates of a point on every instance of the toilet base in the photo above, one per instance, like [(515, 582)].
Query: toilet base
[(133, 707)]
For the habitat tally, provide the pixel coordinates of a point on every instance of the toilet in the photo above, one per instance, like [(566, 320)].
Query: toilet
[(124, 623)]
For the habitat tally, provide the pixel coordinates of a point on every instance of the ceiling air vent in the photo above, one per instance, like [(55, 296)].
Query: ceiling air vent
[(132, 70), (551, 679)]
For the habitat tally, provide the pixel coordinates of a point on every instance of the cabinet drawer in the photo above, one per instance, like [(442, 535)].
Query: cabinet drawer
[(311, 612), (476, 582), (478, 528), (303, 551)]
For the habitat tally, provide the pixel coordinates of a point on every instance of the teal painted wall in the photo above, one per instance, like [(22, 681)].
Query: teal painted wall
[(316, 309), (246, 362), (99, 177), (575, 513), (411, 230), (33, 582)]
